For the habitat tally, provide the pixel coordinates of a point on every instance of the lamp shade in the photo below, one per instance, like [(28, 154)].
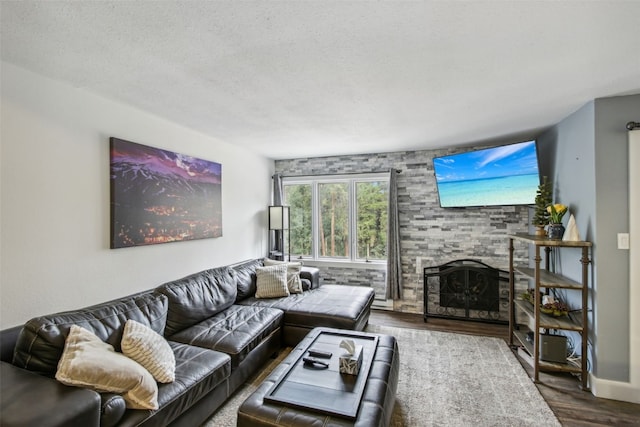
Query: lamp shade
[(278, 217)]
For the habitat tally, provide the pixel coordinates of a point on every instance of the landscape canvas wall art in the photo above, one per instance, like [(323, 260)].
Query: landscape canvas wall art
[(158, 196)]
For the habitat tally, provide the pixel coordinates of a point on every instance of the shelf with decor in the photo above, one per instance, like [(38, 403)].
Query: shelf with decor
[(540, 323), (548, 321)]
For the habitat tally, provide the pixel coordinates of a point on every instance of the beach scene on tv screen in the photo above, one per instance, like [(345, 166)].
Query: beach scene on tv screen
[(505, 175)]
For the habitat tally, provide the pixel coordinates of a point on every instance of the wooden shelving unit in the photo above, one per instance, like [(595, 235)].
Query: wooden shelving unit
[(543, 281)]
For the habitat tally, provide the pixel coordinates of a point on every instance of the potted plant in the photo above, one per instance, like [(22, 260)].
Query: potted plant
[(542, 201), (556, 212)]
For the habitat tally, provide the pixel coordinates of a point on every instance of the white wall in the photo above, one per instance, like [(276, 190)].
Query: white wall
[(54, 216)]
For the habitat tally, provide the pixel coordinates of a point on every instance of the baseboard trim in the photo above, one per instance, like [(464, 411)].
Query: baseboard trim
[(616, 390), (381, 304)]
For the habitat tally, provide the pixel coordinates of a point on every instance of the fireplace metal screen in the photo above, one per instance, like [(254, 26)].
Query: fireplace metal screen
[(466, 289)]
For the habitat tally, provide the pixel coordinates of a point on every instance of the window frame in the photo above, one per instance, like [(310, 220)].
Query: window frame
[(351, 180)]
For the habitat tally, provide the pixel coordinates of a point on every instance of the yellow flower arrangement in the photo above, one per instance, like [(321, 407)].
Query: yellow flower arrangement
[(556, 212)]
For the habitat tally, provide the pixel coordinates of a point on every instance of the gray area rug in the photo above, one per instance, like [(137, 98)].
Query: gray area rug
[(445, 380)]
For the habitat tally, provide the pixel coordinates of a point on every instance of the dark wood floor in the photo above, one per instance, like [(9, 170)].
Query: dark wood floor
[(572, 405)]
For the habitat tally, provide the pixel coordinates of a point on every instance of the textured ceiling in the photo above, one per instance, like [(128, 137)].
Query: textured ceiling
[(313, 78)]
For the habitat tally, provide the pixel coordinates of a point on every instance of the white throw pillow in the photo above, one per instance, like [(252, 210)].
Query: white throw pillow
[(271, 282), (150, 349), (87, 361), (294, 283)]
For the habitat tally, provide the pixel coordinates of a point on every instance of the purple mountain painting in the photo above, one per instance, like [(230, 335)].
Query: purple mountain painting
[(158, 196)]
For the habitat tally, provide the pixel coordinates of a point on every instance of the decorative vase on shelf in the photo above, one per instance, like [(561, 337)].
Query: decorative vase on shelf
[(572, 234), (555, 231)]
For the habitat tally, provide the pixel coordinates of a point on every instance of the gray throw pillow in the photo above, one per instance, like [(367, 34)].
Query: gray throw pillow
[(294, 283), (271, 282)]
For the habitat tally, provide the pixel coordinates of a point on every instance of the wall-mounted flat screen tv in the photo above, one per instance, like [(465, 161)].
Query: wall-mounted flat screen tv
[(497, 176)]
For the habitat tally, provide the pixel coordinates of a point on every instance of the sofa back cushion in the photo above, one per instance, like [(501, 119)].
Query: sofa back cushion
[(42, 339), (246, 278), (197, 297)]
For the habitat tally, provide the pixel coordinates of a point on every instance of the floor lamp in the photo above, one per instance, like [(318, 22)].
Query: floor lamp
[(278, 223)]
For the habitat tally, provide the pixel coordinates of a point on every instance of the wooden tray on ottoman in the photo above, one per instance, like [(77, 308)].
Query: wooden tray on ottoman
[(326, 390)]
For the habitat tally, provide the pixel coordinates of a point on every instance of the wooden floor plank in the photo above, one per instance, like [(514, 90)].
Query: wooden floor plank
[(573, 406)]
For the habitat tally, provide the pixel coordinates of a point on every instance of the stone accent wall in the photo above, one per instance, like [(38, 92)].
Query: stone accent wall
[(430, 235), (375, 278)]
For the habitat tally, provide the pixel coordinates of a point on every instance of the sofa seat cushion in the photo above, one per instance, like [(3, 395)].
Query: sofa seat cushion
[(333, 306), (235, 331), (198, 371)]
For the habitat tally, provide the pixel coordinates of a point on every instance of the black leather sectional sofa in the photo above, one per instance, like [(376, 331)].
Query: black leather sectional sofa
[(219, 332)]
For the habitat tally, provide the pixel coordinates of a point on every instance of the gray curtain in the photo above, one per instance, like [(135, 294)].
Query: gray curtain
[(277, 201), (394, 267), (277, 190)]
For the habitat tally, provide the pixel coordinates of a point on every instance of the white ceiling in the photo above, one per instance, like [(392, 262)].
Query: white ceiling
[(312, 78)]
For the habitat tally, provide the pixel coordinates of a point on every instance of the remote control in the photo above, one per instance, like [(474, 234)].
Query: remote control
[(312, 361), (320, 353)]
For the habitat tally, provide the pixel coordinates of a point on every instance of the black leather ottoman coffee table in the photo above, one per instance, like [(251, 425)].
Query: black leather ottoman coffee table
[(299, 394)]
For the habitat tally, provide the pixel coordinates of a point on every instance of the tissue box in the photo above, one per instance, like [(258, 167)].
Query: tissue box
[(350, 363)]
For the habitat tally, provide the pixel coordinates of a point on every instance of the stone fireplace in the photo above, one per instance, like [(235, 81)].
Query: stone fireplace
[(466, 289)]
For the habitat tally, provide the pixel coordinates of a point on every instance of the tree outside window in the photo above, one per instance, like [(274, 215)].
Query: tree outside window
[(298, 197), (334, 220), (372, 200)]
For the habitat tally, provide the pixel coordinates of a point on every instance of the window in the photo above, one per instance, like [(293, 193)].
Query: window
[(333, 219), (371, 203), (338, 217), (298, 197)]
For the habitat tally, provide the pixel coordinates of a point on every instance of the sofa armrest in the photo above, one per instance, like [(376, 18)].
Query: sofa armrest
[(8, 338), (312, 274), (30, 399)]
